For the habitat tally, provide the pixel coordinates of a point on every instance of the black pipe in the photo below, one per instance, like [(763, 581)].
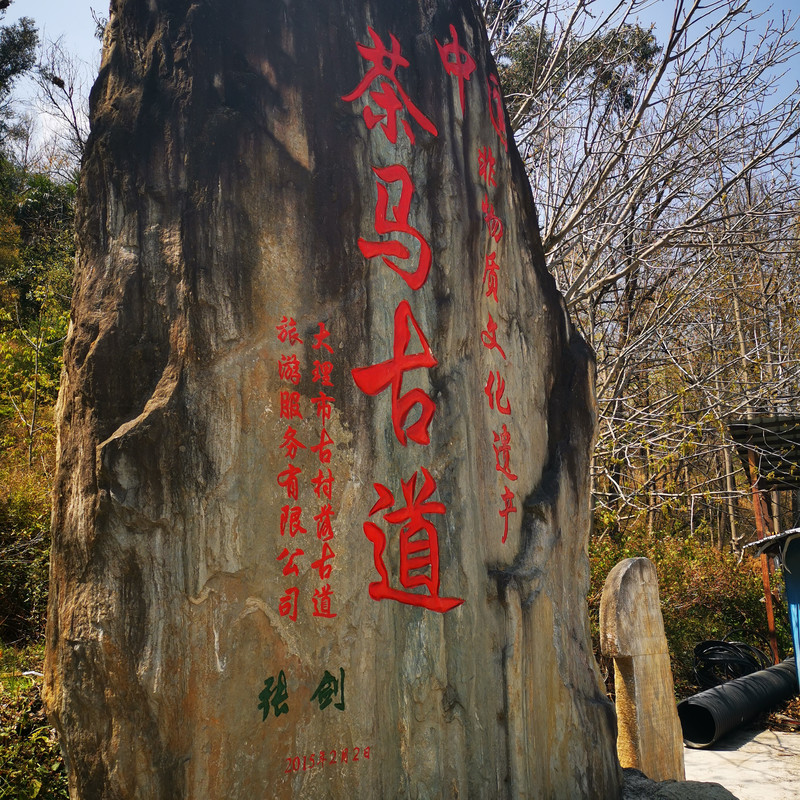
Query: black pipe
[(707, 716)]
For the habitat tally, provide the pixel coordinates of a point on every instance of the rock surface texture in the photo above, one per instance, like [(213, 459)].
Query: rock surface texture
[(322, 501)]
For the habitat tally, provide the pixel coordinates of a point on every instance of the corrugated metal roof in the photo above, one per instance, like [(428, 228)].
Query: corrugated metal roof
[(775, 444)]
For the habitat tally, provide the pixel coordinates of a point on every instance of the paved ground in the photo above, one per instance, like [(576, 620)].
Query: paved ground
[(752, 764)]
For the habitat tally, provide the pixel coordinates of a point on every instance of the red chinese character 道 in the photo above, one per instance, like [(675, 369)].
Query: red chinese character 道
[(374, 379), (457, 62), (397, 222), (419, 547), (322, 602), (390, 97)]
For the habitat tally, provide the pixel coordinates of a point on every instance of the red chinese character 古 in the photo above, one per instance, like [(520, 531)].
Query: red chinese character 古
[(322, 602), (496, 111), (290, 405), (490, 275), (489, 337), (457, 62), (324, 404), (287, 329), (493, 222), (390, 96), (287, 605), (288, 479), (319, 338), (290, 568), (419, 547), (291, 444), (322, 373), (397, 222), (322, 485), (321, 564), (486, 164), (322, 449), (497, 394), (502, 452), (508, 508), (374, 379), (289, 369), (291, 521)]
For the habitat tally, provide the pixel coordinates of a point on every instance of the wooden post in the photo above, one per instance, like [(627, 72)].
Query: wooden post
[(758, 510)]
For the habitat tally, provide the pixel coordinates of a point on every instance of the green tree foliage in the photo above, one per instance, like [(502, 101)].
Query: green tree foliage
[(17, 56)]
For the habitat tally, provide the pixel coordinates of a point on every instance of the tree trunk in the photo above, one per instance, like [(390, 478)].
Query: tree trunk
[(322, 504)]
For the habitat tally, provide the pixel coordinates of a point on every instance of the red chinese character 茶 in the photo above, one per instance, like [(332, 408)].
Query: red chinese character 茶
[(290, 405), (287, 605), (374, 379), (290, 568), (496, 395), (496, 111), (493, 222), (287, 330), (397, 222), (490, 275), (291, 522), (321, 564), (419, 546), (390, 97), (502, 452), (486, 164), (457, 62), (324, 523), (289, 369), (320, 337), (322, 602), (489, 337), (508, 508)]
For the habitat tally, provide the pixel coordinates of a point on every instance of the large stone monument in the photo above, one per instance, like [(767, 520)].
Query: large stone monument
[(322, 500)]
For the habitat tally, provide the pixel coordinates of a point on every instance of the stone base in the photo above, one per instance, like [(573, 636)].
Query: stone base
[(637, 786)]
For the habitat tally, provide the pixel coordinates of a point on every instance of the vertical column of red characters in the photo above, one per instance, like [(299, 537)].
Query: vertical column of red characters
[(389, 109), (301, 463), (492, 288)]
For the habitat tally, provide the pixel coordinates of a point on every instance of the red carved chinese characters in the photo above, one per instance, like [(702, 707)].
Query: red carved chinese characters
[(397, 223), (292, 478), (457, 62), (508, 508), (419, 546), (496, 111), (486, 166), (390, 97), (489, 337), (493, 222), (496, 395), (490, 276), (374, 379), (502, 452)]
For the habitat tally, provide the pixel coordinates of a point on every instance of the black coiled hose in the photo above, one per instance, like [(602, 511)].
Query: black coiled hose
[(716, 662)]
